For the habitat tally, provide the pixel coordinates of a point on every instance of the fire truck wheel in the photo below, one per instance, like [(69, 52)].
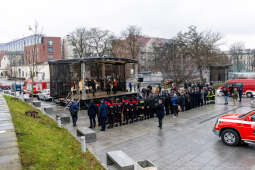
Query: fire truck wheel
[(249, 94), (230, 137)]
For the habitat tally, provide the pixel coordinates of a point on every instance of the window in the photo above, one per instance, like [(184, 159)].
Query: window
[(50, 57), (50, 50), (253, 118), (50, 43)]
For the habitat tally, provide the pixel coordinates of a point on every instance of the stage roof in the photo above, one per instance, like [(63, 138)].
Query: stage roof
[(105, 60)]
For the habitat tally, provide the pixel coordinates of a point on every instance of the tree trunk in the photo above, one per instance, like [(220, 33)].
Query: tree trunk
[(201, 74)]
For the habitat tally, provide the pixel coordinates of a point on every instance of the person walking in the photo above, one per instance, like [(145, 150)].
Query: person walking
[(103, 114), (130, 86), (74, 108), (160, 112), (240, 92), (92, 110), (235, 96), (226, 95), (174, 106)]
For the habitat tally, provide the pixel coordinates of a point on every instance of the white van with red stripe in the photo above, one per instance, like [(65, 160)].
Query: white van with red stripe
[(235, 128)]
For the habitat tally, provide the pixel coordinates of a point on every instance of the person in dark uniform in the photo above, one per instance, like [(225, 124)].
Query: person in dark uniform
[(74, 108), (147, 109), (160, 113), (103, 114), (205, 95), (196, 97), (182, 101), (125, 113), (93, 85), (110, 116), (192, 98), (167, 103), (108, 88), (187, 100), (240, 92), (199, 97), (92, 109), (131, 112)]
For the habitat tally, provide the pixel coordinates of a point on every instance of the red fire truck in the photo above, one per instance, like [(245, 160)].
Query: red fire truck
[(236, 128), (37, 86)]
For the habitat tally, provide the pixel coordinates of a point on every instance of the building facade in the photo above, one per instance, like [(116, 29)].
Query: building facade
[(22, 53)]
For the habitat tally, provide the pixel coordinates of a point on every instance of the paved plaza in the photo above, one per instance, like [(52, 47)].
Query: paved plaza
[(184, 143)]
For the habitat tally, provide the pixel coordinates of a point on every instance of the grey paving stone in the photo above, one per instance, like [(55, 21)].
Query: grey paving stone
[(9, 152)]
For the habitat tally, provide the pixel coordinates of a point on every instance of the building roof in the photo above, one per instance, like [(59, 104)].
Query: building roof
[(105, 60)]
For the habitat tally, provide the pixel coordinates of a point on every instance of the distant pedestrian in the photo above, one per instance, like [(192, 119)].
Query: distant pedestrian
[(205, 96), (240, 92), (160, 112), (103, 114), (226, 94), (74, 108), (174, 106), (92, 110), (235, 96), (130, 86), (108, 88), (93, 85)]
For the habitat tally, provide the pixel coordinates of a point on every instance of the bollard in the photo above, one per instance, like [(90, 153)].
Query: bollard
[(59, 122), (83, 144)]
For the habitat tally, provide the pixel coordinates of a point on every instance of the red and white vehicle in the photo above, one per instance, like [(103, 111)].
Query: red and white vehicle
[(37, 87), (236, 128), (248, 86)]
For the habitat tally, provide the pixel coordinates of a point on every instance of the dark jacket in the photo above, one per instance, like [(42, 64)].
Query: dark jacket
[(160, 111), (103, 110), (92, 110), (225, 92), (74, 108)]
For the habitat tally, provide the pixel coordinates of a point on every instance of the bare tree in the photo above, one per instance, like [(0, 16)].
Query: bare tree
[(236, 51), (171, 62), (100, 42), (187, 53), (131, 35), (201, 47), (32, 60), (80, 39)]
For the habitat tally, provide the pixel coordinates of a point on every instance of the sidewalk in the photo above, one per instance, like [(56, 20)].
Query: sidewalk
[(9, 151)]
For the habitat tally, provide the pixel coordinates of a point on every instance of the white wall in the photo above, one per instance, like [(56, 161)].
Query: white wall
[(43, 72)]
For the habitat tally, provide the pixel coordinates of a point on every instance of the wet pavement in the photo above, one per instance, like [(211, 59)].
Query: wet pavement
[(184, 143), (9, 151)]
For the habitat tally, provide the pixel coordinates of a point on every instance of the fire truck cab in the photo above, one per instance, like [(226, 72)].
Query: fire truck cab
[(37, 87), (236, 128)]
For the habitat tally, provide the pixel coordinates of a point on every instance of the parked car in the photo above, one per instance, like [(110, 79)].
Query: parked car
[(4, 86), (236, 128), (248, 86), (44, 95)]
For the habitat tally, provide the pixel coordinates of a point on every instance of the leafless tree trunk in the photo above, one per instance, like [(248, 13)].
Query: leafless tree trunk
[(236, 50)]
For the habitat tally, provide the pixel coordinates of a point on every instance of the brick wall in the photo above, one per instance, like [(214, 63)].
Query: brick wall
[(49, 48)]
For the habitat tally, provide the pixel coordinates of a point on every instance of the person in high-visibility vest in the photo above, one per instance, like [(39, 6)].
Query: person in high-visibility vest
[(209, 96), (213, 96)]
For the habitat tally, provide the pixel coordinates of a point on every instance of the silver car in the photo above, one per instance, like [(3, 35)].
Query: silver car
[(45, 95)]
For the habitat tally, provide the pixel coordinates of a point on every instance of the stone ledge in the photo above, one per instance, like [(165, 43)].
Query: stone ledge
[(89, 134)]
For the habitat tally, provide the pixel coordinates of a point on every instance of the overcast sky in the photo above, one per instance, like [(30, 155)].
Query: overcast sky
[(234, 19)]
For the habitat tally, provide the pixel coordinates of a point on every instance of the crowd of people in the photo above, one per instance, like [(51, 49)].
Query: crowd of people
[(121, 111)]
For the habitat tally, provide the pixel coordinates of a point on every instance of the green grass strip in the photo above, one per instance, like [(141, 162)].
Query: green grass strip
[(43, 145)]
